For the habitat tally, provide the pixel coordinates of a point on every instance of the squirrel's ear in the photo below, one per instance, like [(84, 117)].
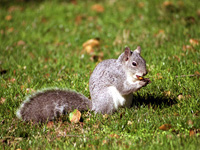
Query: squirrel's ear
[(127, 53), (138, 50)]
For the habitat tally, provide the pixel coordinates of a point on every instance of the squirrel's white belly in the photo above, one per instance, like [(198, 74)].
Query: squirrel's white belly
[(118, 99)]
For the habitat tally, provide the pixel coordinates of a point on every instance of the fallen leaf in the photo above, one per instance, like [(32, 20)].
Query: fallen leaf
[(165, 127), (180, 97), (10, 30), (167, 93), (20, 43), (78, 19), (89, 45), (197, 73), (114, 136), (12, 80), (194, 42), (198, 13), (105, 116), (98, 8), (177, 58), (75, 116), (50, 124), (190, 122), (98, 57), (167, 3), (14, 8), (8, 18), (186, 47), (159, 76), (192, 133), (129, 122), (141, 4), (2, 100)]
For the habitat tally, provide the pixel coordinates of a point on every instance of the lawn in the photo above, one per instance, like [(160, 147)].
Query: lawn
[(41, 46)]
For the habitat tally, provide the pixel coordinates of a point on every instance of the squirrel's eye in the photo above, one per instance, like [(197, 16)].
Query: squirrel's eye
[(134, 63)]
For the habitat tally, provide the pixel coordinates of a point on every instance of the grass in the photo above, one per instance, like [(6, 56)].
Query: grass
[(40, 47)]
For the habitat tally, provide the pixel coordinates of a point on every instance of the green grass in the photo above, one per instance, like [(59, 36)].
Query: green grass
[(50, 56)]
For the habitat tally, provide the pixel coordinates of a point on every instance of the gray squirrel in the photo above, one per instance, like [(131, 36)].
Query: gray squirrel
[(111, 86)]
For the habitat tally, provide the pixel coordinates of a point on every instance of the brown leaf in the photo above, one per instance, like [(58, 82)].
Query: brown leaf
[(50, 124), (141, 4), (114, 136), (165, 127), (167, 93), (192, 133), (159, 76), (194, 42), (2, 100), (89, 45), (98, 8), (75, 116), (12, 80), (10, 30), (198, 13), (197, 73), (14, 8), (177, 58), (78, 19), (190, 122), (180, 97), (8, 18), (167, 3), (19, 43)]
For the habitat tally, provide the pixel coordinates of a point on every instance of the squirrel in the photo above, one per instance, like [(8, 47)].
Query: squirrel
[(111, 86)]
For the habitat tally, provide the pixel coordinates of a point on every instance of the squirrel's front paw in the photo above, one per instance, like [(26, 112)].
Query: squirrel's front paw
[(144, 82)]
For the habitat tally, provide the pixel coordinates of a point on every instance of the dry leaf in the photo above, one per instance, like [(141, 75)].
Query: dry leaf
[(8, 18), (194, 42), (2, 100), (165, 127), (14, 8), (167, 3), (98, 8), (141, 4), (159, 76), (192, 133), (50, 124), (10, 30), (78, 19), (114, 136), (177, 58), (89, 45), (75, 116), (105, 116), (197, 73), (198, 12), (19, 43), (130, 123), (180, 97), (190, 122), (167, 93)]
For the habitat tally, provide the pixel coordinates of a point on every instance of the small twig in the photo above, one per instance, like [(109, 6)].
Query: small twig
[(191, 75)]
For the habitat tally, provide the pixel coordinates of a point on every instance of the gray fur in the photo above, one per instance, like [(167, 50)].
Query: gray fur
[(111, 86), (48, 104), (114, 80)]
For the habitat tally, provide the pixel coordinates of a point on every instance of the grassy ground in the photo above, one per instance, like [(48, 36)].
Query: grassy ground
[(41, 46)]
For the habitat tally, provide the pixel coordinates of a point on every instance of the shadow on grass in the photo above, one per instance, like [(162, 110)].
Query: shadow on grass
[(154, 101)]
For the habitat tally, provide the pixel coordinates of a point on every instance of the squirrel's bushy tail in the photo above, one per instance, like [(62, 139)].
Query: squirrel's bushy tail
[(47, 105)]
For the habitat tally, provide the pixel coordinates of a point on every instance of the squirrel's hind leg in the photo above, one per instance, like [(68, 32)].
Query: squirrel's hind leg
[(103, 103)]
